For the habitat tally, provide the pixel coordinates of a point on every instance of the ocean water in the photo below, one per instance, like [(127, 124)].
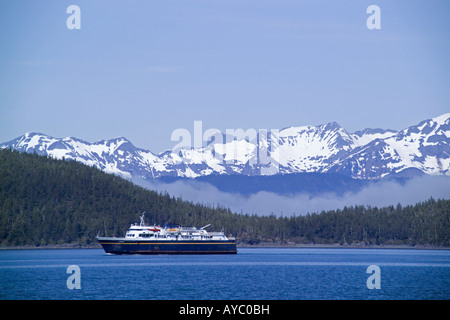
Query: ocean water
[(252, 274)]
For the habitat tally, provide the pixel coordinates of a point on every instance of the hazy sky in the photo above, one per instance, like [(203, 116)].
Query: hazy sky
[(143, 68)]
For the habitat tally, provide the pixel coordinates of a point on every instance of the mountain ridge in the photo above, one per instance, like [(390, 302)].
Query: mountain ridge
[(368, 154)]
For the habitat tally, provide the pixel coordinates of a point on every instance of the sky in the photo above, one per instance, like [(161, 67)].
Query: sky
[(141, 69)]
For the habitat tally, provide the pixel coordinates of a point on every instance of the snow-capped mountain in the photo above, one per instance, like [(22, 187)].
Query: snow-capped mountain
[(424, 147), (367, 154)]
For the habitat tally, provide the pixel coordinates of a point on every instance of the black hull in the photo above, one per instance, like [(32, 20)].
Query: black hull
[(120, 246)]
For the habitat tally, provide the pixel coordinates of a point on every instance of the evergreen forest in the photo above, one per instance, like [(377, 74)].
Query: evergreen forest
[(46, 202)]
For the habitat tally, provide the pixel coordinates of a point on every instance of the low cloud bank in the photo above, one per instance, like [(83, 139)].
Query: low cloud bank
[(265, 203)]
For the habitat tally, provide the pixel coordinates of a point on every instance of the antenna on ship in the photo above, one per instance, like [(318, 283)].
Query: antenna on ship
[(205, 226), (142, 219)]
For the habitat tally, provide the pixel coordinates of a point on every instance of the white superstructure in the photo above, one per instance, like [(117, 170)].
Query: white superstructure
[(172, 232)]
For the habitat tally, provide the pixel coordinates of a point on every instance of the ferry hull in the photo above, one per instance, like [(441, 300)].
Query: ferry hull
[(125, 246)]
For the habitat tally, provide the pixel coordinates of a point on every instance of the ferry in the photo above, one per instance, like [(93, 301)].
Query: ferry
[(169, 239)]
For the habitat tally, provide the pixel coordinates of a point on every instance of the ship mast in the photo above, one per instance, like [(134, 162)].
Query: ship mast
[(142, 220)]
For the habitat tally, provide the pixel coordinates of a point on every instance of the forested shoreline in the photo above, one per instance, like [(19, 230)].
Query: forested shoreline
[(48, 202)]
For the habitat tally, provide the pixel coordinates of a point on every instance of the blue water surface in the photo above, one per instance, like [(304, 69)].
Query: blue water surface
[(253, 273)]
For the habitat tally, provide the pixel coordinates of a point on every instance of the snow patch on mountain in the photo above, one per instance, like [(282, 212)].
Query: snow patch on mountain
[(366, 154)]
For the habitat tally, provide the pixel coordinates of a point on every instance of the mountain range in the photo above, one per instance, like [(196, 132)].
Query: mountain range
[(369, 154)]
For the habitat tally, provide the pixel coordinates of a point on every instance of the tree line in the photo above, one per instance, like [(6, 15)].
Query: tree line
[(44, 201)]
